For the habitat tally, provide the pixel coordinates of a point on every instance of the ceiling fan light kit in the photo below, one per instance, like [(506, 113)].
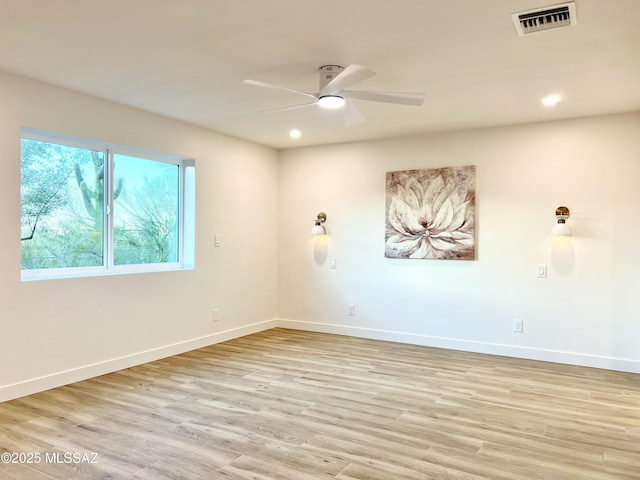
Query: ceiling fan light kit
[(332, 93), (331, 101)]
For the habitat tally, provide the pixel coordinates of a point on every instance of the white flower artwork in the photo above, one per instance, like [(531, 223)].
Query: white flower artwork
[(430, 214)]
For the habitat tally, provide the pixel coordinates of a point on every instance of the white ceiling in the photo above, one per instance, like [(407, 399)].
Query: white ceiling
[(186, 59)]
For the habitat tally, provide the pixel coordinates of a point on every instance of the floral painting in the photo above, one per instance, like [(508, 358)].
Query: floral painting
[(431, 213)]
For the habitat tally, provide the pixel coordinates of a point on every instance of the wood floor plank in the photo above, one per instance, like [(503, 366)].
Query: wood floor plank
[(294, 405)]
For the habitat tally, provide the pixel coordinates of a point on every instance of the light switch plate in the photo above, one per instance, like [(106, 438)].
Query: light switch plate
[(542, 270)]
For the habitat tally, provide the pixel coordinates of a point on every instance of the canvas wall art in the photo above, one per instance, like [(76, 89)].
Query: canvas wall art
[(430, 214)]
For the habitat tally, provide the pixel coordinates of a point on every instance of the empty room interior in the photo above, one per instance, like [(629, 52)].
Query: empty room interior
[(320, 240)]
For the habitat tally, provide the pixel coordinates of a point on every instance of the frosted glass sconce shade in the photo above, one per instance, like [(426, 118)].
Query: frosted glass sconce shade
[(561, 229), (318, 228)]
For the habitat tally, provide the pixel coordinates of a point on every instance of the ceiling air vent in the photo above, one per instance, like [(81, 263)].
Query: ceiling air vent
[(547, 18)]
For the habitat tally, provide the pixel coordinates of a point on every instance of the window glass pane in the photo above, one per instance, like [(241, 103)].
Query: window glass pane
[(66, 184), (62, 206), (146, 208)]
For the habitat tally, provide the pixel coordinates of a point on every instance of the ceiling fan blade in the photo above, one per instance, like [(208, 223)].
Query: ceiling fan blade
[(256, 83), (351, 113), (293, 107), (416, 99), (350, 75)]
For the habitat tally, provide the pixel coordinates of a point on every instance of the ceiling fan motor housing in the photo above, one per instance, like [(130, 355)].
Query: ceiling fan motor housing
[(328, 73)]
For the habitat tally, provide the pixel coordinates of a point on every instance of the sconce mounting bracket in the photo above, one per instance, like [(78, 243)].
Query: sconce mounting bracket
[(562, 213)]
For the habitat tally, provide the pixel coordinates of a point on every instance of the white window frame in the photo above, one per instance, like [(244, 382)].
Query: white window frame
[(186, 214)]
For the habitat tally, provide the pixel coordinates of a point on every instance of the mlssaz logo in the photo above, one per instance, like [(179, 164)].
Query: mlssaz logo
[(71, 457)]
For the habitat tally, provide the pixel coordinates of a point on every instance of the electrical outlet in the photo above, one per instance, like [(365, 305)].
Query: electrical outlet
[(352, 310), (216, 314), (518, 325)]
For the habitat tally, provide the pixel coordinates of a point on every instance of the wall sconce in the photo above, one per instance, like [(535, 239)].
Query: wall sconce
[(318, 228), (561, 229)]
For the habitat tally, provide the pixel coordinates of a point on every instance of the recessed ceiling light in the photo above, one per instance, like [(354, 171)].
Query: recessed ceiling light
[(550, 100), (295, 133), (331, 101)]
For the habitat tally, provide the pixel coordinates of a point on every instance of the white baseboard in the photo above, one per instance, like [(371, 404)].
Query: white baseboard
[(570, 358), (28, 387)]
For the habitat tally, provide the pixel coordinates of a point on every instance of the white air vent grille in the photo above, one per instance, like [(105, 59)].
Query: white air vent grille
[(547, 18)]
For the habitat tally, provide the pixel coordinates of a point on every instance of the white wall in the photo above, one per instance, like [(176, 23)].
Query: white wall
[(585, 311), (54, 332)]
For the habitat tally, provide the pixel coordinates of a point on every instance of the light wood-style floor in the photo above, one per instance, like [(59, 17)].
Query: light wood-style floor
[(293, 405)]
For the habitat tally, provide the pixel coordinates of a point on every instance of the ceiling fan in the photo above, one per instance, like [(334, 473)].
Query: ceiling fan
[(332, 93)]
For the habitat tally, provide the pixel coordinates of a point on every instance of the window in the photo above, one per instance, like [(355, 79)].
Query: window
[(90, 209)]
